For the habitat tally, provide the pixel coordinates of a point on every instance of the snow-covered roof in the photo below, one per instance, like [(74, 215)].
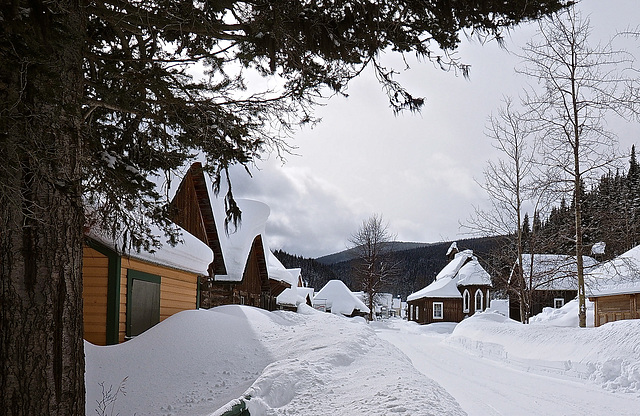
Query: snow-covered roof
[(472, 273), (598, 248), (615, 277), (554, 271), (291, 296), (452, 247), (190, 254), (463, 270), (337, 297), (236, 245)]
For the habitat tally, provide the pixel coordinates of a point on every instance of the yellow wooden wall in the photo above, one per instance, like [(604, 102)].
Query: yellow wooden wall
[(178, 290), (94, 294)]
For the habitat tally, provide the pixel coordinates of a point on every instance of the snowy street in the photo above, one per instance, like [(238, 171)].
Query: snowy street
[(484, 386), (203, 362)]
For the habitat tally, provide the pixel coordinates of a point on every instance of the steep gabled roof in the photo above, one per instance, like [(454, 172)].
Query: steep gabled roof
[(463, 270), (193, 190), (615, 277)]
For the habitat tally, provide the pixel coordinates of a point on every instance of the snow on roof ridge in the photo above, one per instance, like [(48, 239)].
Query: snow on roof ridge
[(615, 277), (342, 299), (463, 270)]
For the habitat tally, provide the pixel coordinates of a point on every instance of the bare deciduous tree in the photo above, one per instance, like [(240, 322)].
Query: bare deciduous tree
[(578, 85), (373, 266)]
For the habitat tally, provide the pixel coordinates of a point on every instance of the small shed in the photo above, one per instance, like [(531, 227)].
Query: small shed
[(124, 294), (614, 288), (335, 297), (459, 290), (552, 277)]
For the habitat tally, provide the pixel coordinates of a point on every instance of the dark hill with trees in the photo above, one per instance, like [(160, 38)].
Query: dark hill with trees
[(417, 266)]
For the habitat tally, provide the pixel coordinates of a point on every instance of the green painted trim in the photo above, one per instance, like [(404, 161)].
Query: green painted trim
[(131, 276), (238, 409), (198, 293), (113, 290)]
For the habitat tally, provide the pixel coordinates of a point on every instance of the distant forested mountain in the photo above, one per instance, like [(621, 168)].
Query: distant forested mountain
[(350, 254), (417, 266)]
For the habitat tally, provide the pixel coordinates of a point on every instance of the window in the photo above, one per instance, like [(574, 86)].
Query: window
[(417, 314), (479, 298), (143, 301), (437, 310), (558, 303), (466, 300)]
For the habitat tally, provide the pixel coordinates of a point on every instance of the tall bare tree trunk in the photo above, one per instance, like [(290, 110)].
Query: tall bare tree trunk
[(41, 213)]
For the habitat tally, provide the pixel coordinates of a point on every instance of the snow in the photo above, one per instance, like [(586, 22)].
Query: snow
[(308, 363), (311, 363), (452, 247), (598, 248), (236, 245), (618, 276), (554, 271), (337, 297), (291, 296), (472, 273), (463, 270), (190, 254)]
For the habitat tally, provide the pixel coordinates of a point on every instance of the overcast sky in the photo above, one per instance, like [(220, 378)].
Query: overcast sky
[(417, 170)]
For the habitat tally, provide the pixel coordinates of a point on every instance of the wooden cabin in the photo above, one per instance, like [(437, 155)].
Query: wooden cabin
[(614, 288), (553, 278), (459, 290), (243, 271), (124, 295)]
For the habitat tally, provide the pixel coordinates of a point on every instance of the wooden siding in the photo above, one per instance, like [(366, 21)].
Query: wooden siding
[(186, 211), (451, 310), (94, 295), (616, 308), (472, 298), (541, 299), (191, 209), (178, 290)]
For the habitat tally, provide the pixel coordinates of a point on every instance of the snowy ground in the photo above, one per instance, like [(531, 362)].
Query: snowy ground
[(311, 363)]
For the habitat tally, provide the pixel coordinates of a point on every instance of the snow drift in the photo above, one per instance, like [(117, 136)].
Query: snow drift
[(309, 363)]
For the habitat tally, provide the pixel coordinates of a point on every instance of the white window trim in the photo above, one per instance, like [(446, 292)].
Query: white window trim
[(441, 310), (466, 301), (475, 300), (417, 313), (556, 300)]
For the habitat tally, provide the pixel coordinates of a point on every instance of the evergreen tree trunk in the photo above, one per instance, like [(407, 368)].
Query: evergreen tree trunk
[(41, 331)]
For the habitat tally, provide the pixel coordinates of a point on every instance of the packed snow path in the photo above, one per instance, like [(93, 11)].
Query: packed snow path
[(486, 386)]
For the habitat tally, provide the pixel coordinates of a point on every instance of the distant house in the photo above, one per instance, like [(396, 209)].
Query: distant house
[(244, 271), (126, 294), (335, 297), (614, 288), (459, 290), (290, 298), (552, 277)]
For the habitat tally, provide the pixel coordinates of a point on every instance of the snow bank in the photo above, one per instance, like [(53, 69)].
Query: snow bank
[(608, 355), (306, 363), (566, 316)]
